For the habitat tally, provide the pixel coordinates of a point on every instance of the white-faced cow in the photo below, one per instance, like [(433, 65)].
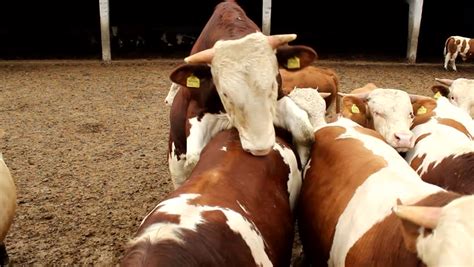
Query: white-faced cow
[(459, 91), (444, 148), (230, 80), (234, 210), (323, 79), (352, 182), (457, 45), (7, 207), (388, 111)]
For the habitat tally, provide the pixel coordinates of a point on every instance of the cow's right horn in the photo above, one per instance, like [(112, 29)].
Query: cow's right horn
[(205, 56)]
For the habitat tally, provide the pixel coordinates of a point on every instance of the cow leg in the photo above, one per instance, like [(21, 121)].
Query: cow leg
[(446, 60), (453, 61), (200, 134), (4, 260), (294, 119)]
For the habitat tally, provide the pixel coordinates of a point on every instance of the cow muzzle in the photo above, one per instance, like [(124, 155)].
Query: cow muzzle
[(404, 141)]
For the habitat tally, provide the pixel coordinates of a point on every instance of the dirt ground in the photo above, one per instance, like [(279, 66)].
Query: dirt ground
[(86, 143)]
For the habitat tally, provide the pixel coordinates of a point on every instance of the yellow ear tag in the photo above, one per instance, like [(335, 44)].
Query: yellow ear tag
[(355, 109), (421, 110), (293, 63), (437, 95), (192, 82)]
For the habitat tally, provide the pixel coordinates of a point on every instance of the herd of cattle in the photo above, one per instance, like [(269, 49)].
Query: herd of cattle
[(260, 141)]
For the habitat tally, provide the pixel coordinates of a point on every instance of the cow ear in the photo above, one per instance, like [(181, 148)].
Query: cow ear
[(191, 75), (443, 90), (355, 109), (422, 106), (295, 57)]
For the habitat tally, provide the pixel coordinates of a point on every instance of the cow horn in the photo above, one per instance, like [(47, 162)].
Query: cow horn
[(324, 94), (361, 96), (427, 217), (280, 39), (447, 82), (204, 56), (414, 98)]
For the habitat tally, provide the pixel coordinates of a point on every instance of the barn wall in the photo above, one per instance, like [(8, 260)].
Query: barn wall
[(350, 29)]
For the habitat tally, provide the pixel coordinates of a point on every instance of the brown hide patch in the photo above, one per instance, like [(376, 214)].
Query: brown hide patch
[(363, 117), (338, 168), (470, 53), (451, 45), (453, 173), (370, 132), (417, 161), (463, 46), (324, 79), (384, 245), (456, 125)]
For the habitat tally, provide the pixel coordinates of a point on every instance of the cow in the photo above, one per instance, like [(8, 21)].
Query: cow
[(444, 148), (388, 111), (231, 79), (324, 79), (235, 209), (459, 91), (7, 207), (457, 45), (360, 201)]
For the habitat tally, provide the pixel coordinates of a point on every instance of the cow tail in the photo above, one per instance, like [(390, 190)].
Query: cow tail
[(446, 45)]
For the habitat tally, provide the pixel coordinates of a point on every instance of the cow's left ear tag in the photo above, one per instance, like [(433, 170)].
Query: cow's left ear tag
[(437, 95), (422, 110), (355, 109), (293, 63), (193, 82)]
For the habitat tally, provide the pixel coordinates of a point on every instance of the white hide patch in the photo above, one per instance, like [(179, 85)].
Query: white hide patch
[(190, 217), (244, 72), (224, 148), (451, 242), (374, 199), (447, 110), (7, 199), (176, 165), (294, 178), (310, 101)]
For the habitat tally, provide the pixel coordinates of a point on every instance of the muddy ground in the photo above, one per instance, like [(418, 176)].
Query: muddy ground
[(87, 145)]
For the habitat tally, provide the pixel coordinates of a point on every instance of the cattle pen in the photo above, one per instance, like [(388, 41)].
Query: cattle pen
[(87, 146)]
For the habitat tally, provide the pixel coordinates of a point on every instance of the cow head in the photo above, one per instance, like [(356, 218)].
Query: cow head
[(460, 92), (388, 111), (245, 74)]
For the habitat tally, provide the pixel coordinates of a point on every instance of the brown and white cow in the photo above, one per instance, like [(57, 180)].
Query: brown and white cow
[(444, 148), (230, 80), (323, 79), (234, 210), (7, 206), (459, 91), (457, 45), (352, 182), (388, 111)]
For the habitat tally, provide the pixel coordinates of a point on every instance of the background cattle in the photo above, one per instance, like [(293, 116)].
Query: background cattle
[(232, 53), (7, 206), (234, 210), (444, 148), (352, 183), (459, 91), (457, 45), (323, 79)]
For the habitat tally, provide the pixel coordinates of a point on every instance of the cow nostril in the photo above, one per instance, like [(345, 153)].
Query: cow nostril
[(397, 137)]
